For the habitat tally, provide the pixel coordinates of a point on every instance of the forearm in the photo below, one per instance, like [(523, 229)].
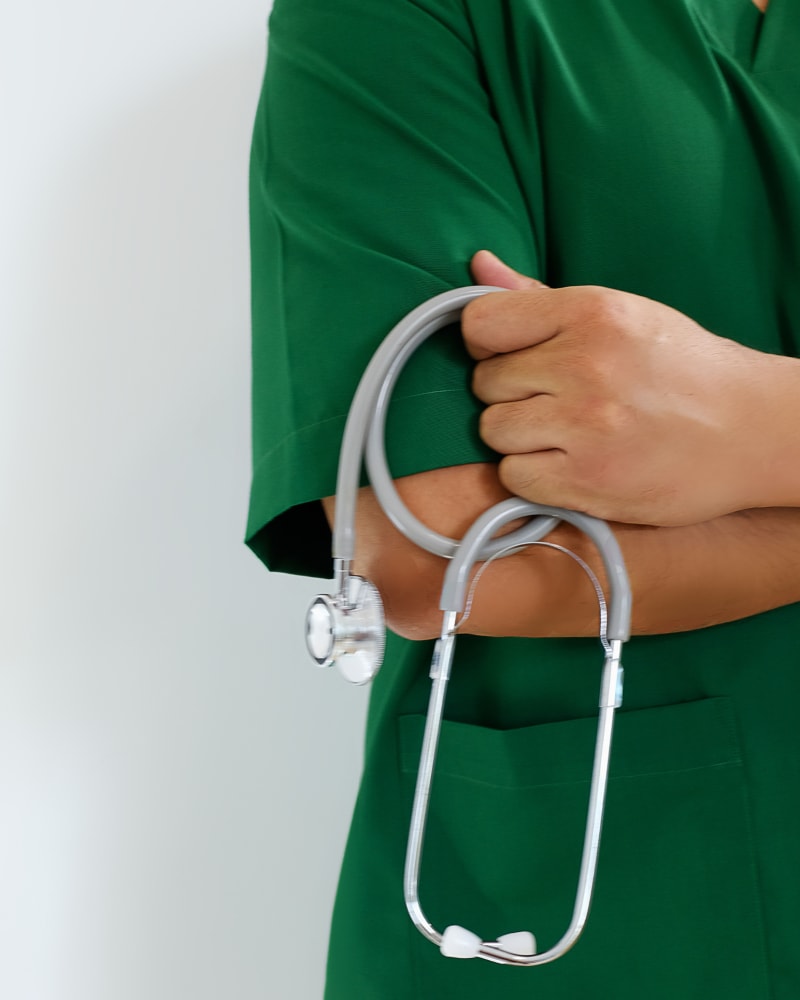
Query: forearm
[(683, 578), (770, 455)]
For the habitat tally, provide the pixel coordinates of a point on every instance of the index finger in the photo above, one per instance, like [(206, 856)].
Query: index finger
[(501, 322)]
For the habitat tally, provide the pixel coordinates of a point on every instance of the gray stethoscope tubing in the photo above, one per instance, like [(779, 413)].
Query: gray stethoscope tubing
[(348, 627), (364, 434), (453, 602)]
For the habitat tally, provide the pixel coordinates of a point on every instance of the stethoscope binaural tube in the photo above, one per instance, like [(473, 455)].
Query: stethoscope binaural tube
[(347, 627), (364, 432), (456, 941)]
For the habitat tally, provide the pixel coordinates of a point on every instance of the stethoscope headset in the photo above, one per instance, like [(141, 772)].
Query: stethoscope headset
[(347, 627)]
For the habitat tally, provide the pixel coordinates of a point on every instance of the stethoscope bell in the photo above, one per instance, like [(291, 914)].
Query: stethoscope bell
[(348, 631)]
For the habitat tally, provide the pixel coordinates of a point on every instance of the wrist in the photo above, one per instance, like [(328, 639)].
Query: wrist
[(770, 463)]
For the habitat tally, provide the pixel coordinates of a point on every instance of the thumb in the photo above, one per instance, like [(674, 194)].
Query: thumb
[(487, 269)]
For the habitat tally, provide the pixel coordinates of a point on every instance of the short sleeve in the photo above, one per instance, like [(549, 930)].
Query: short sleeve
[(377, 170)]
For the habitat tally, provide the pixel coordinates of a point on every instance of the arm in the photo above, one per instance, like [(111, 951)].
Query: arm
[(683, 578)]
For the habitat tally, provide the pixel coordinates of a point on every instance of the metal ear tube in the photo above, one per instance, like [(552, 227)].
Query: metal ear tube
[(347, 628), (452, 603)]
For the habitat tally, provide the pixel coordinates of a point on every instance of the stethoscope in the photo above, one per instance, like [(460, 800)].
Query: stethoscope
[(347, 628)]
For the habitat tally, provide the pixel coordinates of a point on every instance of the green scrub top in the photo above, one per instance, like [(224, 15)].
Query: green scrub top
[(646, 145)]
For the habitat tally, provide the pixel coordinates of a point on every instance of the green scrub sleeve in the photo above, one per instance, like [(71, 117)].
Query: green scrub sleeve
[(378, 169)]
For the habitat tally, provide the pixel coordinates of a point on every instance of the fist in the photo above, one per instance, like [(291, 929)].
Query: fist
[(611, 403)]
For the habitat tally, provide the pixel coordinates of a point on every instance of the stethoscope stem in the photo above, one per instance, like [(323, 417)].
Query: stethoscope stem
[(440, 674)]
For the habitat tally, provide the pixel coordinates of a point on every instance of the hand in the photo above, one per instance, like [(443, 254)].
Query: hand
[(611, 403)]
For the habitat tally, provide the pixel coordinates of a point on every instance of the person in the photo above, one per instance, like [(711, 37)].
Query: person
[(634, 169)]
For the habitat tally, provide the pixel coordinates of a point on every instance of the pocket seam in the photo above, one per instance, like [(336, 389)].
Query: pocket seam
[(706, 726)]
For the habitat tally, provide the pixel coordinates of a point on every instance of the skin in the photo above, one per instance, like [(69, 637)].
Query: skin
[(692, 572), (683, 578), (619, 406)]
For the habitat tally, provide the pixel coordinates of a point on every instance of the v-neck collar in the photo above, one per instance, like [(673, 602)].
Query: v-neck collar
[(778, 43), (760, 42)]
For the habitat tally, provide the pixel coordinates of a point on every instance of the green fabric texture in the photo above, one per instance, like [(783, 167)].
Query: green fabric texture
[(646, 145)]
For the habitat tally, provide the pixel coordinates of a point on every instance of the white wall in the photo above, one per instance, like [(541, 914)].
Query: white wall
[(175, 781)]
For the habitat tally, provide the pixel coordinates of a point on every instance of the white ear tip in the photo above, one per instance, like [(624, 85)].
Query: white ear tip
[(458, 942), (520, 942)]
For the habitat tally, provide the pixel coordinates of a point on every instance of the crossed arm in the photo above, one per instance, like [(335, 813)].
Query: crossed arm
[(683, 578), (713, 562)]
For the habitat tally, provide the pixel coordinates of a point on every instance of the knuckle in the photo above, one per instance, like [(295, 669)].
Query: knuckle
[(480, 387), (603, 414), (474, 316), (515, 474), (615, 417), (591, 366), (612, 418), (503, 425), (603, 307), (489, 424)]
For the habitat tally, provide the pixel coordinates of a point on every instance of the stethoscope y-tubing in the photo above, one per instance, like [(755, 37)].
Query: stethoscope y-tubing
[(453, 602), (364, 436)]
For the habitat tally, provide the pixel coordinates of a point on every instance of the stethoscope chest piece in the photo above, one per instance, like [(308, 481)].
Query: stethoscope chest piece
[(348, 631)]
